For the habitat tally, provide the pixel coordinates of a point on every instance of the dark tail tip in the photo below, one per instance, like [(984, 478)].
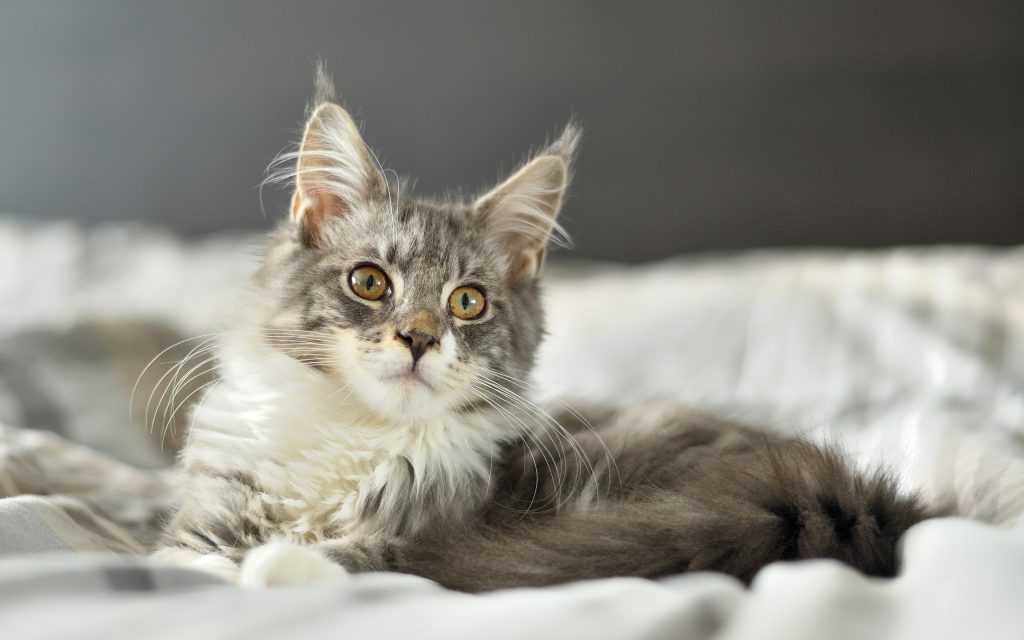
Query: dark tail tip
[(793, 500), (831, 511)]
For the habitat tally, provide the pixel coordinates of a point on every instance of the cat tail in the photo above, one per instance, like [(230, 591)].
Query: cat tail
[(792, 500), (731, 512)]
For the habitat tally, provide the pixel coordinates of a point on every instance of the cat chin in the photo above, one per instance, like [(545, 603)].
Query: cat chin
[(405, 396), (408, 380)]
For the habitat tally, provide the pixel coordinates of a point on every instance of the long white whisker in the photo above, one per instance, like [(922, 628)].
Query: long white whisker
[(554, 428), (561, 431), (557, 431), (576, 414), (138, 380), (169, 423), (186, 379), (160, 383), (522, 433)]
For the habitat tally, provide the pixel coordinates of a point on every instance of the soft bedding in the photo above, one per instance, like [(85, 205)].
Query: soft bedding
[(909, 358)]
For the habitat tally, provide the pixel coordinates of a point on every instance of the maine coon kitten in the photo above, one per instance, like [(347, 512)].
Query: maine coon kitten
[(369, 414)]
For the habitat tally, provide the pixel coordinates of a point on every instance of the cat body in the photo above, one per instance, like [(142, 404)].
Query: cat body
[(372, 414)]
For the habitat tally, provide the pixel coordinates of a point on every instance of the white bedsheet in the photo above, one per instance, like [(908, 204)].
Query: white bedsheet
[(909, 358)]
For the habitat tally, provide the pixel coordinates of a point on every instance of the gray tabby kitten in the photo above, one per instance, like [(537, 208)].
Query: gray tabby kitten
[(369, 415)]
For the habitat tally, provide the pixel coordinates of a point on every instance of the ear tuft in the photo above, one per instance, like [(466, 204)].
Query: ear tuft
[(323, 87), (333, 169), (566, 145)]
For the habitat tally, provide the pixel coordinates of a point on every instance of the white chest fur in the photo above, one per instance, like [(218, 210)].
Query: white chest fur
[(318, 457)]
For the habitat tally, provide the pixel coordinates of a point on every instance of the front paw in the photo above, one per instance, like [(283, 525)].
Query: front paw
[(288, 564)]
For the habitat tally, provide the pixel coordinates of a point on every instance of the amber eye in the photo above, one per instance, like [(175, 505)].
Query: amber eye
[(467, 303), (369, 282)]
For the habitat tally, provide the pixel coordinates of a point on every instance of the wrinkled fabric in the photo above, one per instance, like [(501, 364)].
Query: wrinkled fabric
[(910, 359)]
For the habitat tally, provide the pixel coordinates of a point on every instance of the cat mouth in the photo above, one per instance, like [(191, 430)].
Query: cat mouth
[(411, 378)]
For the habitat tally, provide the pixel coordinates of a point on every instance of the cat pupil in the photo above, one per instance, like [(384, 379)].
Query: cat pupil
[(465, 300), (369, 282)]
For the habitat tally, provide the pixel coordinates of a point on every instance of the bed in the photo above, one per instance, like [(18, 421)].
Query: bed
[(911, 359)]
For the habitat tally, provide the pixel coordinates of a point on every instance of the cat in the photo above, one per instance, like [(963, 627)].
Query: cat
[(370, 414)]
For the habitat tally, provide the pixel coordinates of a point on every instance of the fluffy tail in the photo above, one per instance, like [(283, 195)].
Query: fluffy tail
[(731, 511), (793, 500)]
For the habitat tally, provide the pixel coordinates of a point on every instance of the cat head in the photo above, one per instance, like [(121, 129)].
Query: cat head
[(417, 307)]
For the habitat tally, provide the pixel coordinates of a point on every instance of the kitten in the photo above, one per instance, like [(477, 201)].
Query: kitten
[(369, 414)]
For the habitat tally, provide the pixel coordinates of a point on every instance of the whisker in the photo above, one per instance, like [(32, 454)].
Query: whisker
[(187, 378), (576, 414), (546, 418), (548, 456), (169, 423), (522, 436), (138, 380), (161, 384), (556, 430)]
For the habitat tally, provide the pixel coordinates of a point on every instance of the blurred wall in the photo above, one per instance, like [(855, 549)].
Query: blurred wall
[(710, 124)]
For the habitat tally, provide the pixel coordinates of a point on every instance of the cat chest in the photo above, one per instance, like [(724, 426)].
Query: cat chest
[(320, 493), (332, 491)]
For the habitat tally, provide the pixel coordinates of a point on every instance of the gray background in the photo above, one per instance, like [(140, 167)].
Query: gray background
[(711, 124)]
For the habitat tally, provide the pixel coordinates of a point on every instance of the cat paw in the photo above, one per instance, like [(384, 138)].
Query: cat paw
[(278, 564)]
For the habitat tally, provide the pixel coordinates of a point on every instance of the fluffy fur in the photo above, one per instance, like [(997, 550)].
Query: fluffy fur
[(327, 445)]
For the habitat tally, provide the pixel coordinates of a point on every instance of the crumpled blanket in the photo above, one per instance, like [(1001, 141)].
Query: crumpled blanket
[(56, 495), (960, 579), (912, 359)]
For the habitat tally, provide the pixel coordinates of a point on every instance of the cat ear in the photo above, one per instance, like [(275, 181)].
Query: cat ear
[(521, 212), (334, 170)]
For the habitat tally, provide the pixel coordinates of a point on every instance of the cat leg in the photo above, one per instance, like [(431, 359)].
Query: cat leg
[(221, 518)]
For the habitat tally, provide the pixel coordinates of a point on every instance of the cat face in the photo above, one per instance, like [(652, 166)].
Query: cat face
[(415, 308)]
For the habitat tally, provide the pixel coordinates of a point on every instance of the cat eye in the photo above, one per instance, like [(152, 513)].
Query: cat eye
[(369, 282), (467, 303)]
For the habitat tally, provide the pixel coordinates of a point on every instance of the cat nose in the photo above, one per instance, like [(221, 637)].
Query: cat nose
[(417, 341)]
